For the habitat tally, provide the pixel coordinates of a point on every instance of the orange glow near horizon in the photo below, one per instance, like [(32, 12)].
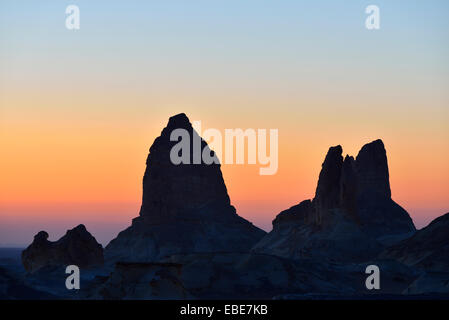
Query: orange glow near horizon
[(79, 110), (93, 175)]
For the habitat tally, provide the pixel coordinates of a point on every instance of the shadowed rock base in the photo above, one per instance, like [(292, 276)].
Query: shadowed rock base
[(142, 281)]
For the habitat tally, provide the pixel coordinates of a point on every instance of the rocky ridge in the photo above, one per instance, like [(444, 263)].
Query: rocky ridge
[(77, 247)]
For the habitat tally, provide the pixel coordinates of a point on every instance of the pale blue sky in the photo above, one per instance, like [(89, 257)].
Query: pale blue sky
[(309, 68)]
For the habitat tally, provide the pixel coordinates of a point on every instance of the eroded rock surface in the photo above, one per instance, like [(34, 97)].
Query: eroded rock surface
[(159, 281), (76, 247)]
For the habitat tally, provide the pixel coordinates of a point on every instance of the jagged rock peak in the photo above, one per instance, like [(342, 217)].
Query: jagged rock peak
[(76, 247), (352, 216), (169, 190), (179, 120), (41, 236), (341, 182), (185, 207), (79, 230), (358, 190)]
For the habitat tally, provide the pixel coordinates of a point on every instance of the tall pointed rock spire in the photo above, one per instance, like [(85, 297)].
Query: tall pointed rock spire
[(185, 207), (170, 189)]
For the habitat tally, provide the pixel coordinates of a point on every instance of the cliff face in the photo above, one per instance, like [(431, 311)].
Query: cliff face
[(350, 215), (185, 207), (76, 247)]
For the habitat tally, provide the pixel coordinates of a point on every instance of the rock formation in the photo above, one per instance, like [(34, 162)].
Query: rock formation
[(379, 215), (253, 276), (13, 287), (185, 207), (188, 242), (427, 249), (77, 247), (142, 281), (350, 215)]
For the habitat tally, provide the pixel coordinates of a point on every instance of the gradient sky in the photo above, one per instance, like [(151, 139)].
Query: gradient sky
[(79, 109)]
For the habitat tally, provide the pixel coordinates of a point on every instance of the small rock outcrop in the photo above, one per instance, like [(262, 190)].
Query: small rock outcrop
[(351, 213), (185, 207), (77, 247)]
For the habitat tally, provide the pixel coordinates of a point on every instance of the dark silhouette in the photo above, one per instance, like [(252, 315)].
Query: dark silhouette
[(188, 242), (351, 216), (76, 247), (185, 208)]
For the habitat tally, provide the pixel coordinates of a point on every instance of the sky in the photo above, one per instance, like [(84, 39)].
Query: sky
[(79, 109)]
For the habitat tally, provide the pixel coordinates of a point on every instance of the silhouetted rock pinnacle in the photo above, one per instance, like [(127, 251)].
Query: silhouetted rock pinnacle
[(351, 215), (327, 193), (76, 247), (361, 189), (185, 207), (372, 171), (170, 190), (378, 214)]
